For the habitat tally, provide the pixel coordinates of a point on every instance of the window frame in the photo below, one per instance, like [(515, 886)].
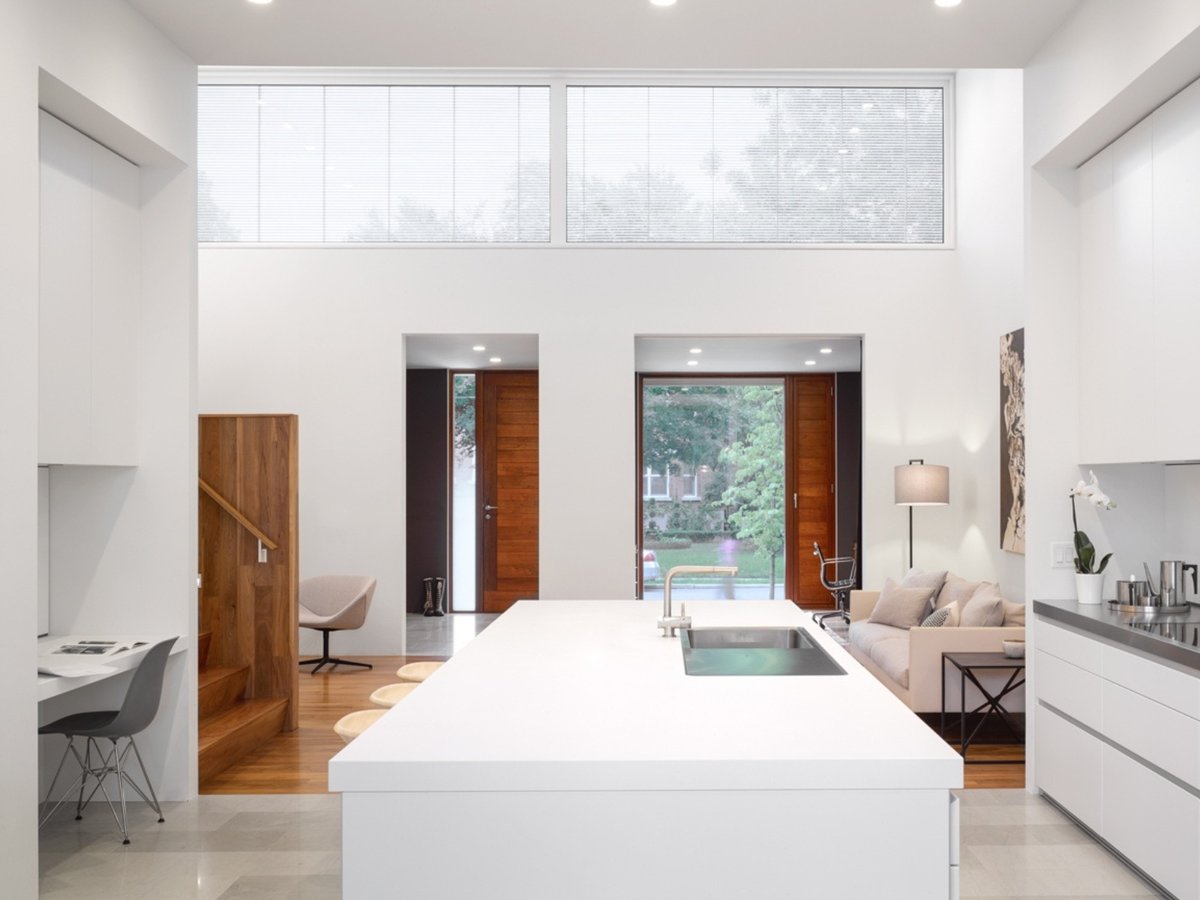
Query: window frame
[(558, 81)]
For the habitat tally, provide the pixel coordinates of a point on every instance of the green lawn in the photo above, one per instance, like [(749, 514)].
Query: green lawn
[(750, 565)]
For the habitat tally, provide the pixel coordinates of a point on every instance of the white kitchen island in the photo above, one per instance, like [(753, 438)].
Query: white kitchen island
[(565, 755)]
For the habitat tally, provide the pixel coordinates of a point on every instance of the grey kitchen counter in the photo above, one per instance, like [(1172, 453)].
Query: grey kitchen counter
[(1151, 634)]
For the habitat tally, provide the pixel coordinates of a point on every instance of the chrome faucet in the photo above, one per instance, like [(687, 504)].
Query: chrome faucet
[(669, 623)]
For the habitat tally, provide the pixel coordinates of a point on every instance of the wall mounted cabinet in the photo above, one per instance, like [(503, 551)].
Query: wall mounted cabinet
[(1139, 211), (89, 299)]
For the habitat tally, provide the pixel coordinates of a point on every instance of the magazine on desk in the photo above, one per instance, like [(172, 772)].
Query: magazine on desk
[(96, 648)]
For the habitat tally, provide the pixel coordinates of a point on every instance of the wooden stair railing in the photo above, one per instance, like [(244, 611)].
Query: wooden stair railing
[(237, 515)]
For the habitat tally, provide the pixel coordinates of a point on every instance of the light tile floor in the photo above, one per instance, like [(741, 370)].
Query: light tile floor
[(443, 635), (1015, 846)]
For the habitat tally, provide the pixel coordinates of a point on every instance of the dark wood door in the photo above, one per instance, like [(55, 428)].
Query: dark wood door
[(812, 474), (507, 487)]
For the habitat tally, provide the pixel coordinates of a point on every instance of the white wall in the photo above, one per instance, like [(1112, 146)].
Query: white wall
[(319, 332), (111, 56)]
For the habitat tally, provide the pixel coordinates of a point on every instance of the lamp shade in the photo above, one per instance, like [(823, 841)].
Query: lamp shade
[(920, 485)]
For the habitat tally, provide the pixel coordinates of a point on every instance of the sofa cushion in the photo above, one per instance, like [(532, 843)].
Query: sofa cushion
[(1014, 614), (985, 609), (892, 656), (864, 634), (938, 617), (919, 578), (956, 590), (903, 607)]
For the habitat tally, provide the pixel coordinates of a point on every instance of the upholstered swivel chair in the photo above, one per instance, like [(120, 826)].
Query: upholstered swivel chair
[(137, 711), (334, 603)]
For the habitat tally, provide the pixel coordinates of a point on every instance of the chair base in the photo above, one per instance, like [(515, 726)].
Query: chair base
[(332, 661), (111, 763), (820, 618)]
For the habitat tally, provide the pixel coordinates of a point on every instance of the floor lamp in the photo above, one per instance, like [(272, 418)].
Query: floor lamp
[(920, 485)]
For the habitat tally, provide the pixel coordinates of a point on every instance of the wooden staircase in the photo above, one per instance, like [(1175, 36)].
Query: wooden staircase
[(231, 725)]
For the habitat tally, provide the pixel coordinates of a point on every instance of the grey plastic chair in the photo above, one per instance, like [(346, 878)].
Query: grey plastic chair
[(136, 713)]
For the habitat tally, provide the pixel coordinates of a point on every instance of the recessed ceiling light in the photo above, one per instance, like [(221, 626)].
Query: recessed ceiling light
[(826, 349), (663, 2), (495, 359), (693, 362), (810, 362), (946, 4), (259, 2), (696, 350), (479, 348)]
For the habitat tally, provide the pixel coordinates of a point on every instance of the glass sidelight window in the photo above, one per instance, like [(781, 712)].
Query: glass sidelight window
[(463, 540)]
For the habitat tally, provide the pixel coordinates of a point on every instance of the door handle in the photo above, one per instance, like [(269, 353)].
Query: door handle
[(487, 507)]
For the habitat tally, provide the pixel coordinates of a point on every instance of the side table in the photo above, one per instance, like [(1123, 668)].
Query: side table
[(968, 664)]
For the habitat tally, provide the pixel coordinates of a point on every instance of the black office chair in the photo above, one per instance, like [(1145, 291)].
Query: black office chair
[(839, 576), (136, 713)]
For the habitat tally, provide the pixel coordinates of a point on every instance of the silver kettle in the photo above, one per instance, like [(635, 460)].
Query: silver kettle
[(1172, 589)]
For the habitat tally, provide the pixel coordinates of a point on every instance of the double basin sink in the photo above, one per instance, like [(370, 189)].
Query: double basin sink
[(754, 651)]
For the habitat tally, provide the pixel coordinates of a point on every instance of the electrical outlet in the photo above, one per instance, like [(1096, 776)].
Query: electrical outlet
[(1062, 555)]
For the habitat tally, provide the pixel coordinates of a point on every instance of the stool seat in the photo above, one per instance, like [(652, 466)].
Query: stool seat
[(391, 694), (417, 671), (353, 724)]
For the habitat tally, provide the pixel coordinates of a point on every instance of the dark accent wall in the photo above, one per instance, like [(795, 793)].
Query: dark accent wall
[(427, 481), (848, 409)]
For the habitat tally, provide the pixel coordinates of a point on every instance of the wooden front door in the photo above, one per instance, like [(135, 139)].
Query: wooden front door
[(812, 475), (507, 487)]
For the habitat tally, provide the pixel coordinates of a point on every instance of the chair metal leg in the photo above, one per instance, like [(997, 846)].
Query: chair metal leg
[(146, 775), (86, 765), (54, 781), (121, 793), (326, 660)]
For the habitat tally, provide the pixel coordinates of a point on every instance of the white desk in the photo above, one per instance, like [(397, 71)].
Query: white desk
[(56, 685)]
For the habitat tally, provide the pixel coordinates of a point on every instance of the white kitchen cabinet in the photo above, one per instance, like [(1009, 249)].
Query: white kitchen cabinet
[(1070, 689), (89, 299), (1153, 822), (1139, 221), (1069, 767)]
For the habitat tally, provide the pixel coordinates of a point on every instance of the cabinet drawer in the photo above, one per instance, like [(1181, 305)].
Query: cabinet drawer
[(1068, 766), (1158, 734), (1069, 689), (1078, 649), (1169, 686), (1153, 822)]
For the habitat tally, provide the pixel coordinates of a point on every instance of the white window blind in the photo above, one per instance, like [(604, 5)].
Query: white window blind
[(755, 164), (293, 163)]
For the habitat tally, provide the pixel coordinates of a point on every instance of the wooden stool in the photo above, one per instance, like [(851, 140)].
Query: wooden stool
[(417, 671), (353, 724), (391, 694)]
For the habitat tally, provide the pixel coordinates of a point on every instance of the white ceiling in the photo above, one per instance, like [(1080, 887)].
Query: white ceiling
[(727, 355), (626, 34), (453, 351)]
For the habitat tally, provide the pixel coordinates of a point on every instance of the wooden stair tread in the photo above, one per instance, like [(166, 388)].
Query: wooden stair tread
[(220, 687), (227, 736), (215, 727)]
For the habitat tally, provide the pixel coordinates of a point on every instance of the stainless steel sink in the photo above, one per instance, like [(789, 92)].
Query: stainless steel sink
[(754, 651)]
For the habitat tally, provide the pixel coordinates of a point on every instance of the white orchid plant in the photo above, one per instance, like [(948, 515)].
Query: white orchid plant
[(1085, 552)]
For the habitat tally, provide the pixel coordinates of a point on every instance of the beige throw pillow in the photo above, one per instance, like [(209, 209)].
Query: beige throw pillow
[(956, 590), (900, 606), (985, 609), (955, 616), (918, 578), (1014, 614)]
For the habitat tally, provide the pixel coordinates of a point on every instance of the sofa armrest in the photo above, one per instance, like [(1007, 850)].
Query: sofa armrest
[(861, 604), (925, 649)]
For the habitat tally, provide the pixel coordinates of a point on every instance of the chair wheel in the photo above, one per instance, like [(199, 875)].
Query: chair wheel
[(126, 841), (161, 820), (78, 817)]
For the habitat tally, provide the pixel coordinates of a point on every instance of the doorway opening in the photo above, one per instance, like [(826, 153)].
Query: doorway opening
[(748, 464)]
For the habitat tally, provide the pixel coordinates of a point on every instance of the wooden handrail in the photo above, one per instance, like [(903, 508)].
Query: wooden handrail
[(237, 515)]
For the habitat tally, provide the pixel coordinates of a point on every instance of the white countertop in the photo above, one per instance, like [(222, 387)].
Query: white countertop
[(586, 695), (54, 685)]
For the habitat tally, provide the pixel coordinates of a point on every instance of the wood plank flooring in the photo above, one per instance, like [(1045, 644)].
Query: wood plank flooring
[(295, 762)]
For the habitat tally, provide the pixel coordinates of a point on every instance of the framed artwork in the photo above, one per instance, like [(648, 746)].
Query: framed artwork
[(1012, 441)]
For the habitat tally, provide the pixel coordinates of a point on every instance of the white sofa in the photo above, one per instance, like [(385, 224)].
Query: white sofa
[(909, 661)]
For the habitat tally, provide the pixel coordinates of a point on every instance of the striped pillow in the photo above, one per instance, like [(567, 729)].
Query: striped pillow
[(937, 618)]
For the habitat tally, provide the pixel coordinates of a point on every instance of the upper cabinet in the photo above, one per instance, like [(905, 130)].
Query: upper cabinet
[(1139, 313), (89, 300)]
